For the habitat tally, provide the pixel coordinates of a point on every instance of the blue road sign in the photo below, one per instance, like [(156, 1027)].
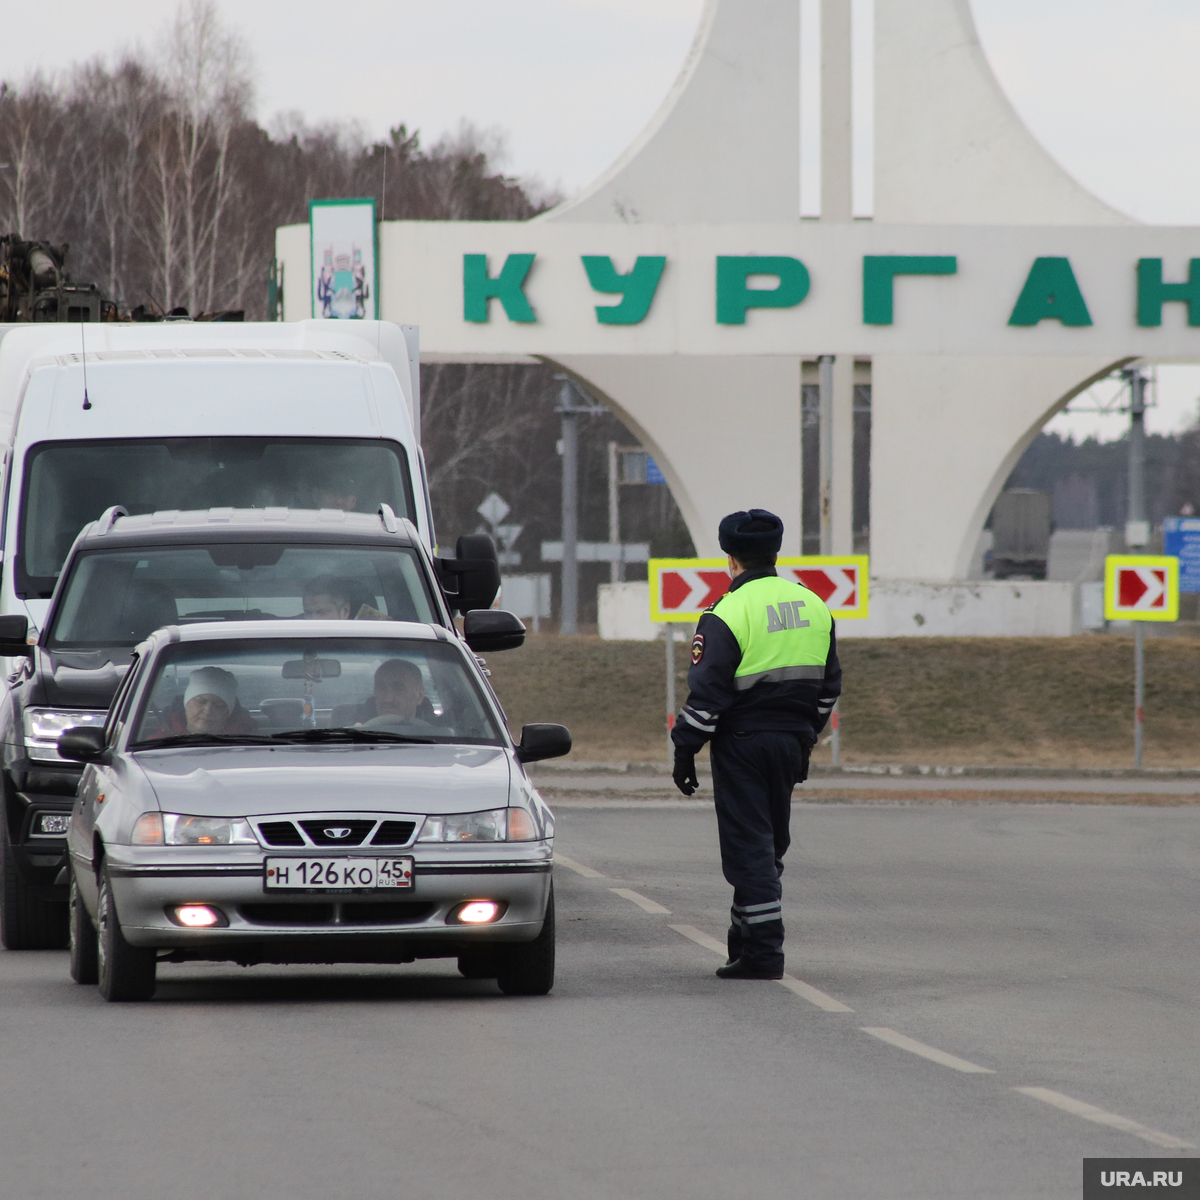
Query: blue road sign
[(654, 475), (1181, 540)]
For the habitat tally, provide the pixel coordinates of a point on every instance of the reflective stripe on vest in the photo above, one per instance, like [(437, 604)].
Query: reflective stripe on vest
[(782, 628)]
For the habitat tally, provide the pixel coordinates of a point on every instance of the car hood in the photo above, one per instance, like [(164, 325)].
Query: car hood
[(259, 781), (81, 679)]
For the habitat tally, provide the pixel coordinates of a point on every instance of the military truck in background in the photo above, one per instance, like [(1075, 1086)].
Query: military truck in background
[(1021, 528), (35, 286)]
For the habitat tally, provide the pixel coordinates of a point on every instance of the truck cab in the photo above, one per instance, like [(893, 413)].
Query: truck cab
[(185, 416)]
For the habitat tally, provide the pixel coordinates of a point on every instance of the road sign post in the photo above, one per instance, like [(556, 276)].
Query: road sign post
[(682, 588), (1140, 588)]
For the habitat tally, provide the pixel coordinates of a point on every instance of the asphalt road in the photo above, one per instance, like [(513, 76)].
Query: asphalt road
[(988, 947)]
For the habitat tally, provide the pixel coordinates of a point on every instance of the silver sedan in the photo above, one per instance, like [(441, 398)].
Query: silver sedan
[(278, 792)]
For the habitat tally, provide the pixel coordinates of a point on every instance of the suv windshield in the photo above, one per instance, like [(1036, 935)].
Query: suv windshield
[(301, 689), (68, 484), (118, 597)]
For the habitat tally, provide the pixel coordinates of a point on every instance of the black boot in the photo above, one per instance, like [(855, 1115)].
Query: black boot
[(741, 969)]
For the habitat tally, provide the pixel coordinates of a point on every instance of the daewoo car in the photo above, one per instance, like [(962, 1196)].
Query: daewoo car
[(127, 576), (269, 792)]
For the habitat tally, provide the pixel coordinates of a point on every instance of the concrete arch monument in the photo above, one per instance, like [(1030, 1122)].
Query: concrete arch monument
[(684, 289)]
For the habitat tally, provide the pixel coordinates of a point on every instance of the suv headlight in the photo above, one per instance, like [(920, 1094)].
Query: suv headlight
[(493, 825), (44, 726), (175, 829)]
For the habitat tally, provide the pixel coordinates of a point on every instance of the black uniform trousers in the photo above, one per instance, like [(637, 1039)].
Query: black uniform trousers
[(753, 777)]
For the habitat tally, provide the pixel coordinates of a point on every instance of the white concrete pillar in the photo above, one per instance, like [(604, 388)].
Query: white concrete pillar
[(842, 490), (836, 131)]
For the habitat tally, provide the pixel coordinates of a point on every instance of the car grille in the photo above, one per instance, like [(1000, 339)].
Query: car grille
[(280, 833), (393, 833), (321, 832), (397, 912)]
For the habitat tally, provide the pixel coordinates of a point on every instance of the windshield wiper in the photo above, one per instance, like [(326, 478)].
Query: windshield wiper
[(200, 739), (344, 733)]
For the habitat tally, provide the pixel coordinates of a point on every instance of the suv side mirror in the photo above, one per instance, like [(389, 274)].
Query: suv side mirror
[(487, 629), (471, 579), (543, 741), (13, 634), (82, 744)]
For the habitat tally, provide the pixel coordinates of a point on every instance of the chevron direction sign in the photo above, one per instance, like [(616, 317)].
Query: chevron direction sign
[(1141, 587), (682, 588)]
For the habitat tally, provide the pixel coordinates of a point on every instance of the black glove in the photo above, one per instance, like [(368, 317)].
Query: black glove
[(684, 773)]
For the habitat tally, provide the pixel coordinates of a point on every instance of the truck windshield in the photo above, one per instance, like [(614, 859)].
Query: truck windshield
[(115, 598), (68, 484)]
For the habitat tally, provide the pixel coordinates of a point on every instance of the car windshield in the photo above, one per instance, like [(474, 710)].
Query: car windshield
[(313, 689), (68, 484), (118, 597)]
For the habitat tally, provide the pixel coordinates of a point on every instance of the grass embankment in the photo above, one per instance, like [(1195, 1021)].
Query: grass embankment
[(1005, 701)]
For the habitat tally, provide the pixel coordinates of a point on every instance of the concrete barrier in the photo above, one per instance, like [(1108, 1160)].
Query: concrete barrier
[(899, 608), (923, 608)]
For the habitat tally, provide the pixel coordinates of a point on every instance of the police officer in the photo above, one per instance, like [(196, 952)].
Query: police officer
[(763, 681)]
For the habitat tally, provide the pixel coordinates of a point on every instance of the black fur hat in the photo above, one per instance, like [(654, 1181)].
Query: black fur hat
[(753, 534)]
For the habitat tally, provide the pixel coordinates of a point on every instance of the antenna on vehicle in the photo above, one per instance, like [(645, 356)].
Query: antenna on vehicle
[(83, 343)]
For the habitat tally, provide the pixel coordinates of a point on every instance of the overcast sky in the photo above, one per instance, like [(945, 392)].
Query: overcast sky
[(1110, 87)]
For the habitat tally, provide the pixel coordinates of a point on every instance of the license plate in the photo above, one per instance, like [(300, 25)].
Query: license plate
[(337, 874)]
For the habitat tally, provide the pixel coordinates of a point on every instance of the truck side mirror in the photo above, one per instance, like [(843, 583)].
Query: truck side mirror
[(486, 629), (13, 634), (472, 578), (543, 741), (84, 743)]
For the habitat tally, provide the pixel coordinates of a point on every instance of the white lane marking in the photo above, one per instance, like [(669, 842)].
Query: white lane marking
[(1089, 1112), (578, 868), (930, 1052), (701, 939), (643, 902), (804, 990), (813, 995)]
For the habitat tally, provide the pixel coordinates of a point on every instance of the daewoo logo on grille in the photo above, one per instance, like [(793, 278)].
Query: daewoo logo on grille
[(337, 831)]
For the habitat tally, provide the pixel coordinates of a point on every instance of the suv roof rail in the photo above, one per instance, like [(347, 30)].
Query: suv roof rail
[(109, 518), (388, 516)]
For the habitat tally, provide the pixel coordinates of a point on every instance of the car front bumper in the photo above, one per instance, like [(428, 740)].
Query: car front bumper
[(323, 926)]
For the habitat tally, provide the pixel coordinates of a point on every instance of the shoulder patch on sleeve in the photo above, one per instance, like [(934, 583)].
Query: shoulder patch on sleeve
[(697, 648)]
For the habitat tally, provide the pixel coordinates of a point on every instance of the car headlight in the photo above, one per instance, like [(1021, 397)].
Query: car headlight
[(494, 825), (176, 829), (44, 726)]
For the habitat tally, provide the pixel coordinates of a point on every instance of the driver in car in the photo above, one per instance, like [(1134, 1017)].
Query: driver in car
[(209, 705), (399, 699)]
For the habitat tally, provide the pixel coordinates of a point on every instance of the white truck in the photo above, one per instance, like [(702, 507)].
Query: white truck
[(193, 415)]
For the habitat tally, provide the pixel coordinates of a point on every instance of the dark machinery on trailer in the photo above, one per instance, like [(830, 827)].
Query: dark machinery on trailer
[(35, 286)]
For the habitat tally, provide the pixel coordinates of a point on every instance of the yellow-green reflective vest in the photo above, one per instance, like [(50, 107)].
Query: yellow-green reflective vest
[(782, 628)]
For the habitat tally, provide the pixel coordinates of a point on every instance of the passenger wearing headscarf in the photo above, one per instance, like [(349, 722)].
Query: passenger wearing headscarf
[(209, 705)]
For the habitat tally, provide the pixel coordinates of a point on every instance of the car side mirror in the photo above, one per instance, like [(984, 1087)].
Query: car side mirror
[(471, 579), (543, 741), (82, 744), (487, 629), (13, 634)]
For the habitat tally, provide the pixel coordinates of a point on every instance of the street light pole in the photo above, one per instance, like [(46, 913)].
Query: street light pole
[(570, 512), (1137, 534)]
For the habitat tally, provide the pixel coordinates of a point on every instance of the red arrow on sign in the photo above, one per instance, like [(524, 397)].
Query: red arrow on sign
[(678, 588), (1142, 587)]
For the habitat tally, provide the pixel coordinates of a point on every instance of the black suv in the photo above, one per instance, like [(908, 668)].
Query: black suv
[(127, 576)]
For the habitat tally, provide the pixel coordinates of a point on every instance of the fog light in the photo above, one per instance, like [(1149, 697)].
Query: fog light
[(53, 824), (478, 912), (197, 916)]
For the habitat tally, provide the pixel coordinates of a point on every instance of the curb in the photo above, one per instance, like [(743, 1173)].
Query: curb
[(874, 771)]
